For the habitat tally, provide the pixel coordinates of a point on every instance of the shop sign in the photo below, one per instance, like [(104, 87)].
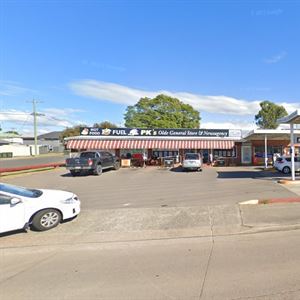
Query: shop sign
[(93, 131)]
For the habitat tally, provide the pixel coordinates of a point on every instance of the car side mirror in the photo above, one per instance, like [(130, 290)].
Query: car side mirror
[(15, 201)]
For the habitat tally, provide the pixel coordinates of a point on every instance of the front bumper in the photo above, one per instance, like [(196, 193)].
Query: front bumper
[(71, 210)]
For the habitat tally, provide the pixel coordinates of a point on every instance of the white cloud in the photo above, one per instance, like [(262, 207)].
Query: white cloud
[(205, 103), (11, 88), (276, 58), (22, 121), (62, 111), (229, 125)]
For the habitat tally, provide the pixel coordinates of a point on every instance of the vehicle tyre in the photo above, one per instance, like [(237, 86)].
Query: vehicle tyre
[(199, 170), (98, 170), (116, 165), (73, 173), (46, 219), (286, 170)]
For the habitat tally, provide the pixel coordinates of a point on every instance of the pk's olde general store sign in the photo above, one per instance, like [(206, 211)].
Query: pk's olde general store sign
[(176, 132)]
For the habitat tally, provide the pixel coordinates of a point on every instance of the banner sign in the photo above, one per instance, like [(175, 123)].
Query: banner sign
[(176, 132)]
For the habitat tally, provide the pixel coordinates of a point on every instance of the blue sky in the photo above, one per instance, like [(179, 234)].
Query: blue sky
[(87, 60)]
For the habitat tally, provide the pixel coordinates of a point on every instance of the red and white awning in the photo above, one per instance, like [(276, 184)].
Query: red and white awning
[(149, 144)]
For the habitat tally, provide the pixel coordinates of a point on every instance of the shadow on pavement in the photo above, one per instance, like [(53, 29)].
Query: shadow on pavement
[(177, 169), (83, 174), (251, 174), (14, 232), (180, 169)]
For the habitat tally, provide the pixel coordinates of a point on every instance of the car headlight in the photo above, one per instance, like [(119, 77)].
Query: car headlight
[(71, 200)]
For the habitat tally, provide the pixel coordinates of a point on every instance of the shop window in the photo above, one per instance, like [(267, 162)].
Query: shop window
[(259, 151), (165, 153), (127, 153), (224, 153)]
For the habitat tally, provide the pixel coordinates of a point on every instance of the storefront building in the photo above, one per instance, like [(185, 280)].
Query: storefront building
[(224, 144), (160, 142), (276, 141)]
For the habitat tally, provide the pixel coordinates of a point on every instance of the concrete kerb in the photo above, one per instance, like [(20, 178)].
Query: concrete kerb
[(27, 172), (29, 168), (289, 182)]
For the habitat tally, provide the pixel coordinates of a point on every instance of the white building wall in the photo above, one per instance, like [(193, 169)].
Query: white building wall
[(17, 140), (16, 149)]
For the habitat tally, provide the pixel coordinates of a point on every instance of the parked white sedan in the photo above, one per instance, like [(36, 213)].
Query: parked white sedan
[(41, 209), (284, 164)]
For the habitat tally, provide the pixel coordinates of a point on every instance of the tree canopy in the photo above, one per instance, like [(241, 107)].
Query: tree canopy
[(268, 115), (162, 112), (105, 124), (71, 131), (13, 132), (75, 130)]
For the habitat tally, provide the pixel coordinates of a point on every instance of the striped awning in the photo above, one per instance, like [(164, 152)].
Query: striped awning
[(149, 144)]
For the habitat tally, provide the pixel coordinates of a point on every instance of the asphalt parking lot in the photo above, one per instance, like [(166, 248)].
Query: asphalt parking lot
[(152, 187), (153, 234)]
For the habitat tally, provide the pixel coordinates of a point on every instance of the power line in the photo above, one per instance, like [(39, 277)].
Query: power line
[(22, 126)]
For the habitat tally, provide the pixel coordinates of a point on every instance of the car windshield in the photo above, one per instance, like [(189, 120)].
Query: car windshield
[(192, 156), (20, 191)]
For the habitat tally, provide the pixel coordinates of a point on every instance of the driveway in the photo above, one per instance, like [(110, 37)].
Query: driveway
[(152, 187)]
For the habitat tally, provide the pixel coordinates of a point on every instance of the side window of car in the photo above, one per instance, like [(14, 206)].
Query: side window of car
[(4, 199), (107, 155)]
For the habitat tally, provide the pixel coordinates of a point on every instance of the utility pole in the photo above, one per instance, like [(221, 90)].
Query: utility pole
[(34, 113)]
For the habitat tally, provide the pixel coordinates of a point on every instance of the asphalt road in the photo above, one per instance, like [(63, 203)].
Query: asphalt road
[(152, 187), (31, 161), (153, 234), (261, 266)]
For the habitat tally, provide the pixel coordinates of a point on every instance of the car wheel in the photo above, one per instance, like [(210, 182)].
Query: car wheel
[(73, 173), (286, 170), (199, 170), (46, 219), (98, 170), (116, 165)]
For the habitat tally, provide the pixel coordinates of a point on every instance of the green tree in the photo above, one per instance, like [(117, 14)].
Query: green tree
[(13, 132), (268, 115), (71, 131), (162, 112), (105, 124)]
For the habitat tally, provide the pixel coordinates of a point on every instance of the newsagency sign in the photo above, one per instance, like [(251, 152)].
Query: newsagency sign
[(177, 132)]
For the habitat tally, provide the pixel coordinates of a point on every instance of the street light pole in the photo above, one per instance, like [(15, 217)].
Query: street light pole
[(34, 126), (34, 114), (292, 151)]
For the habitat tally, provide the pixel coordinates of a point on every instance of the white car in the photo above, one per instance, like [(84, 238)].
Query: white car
[(41, 209), (284, 164), (192, 161)]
